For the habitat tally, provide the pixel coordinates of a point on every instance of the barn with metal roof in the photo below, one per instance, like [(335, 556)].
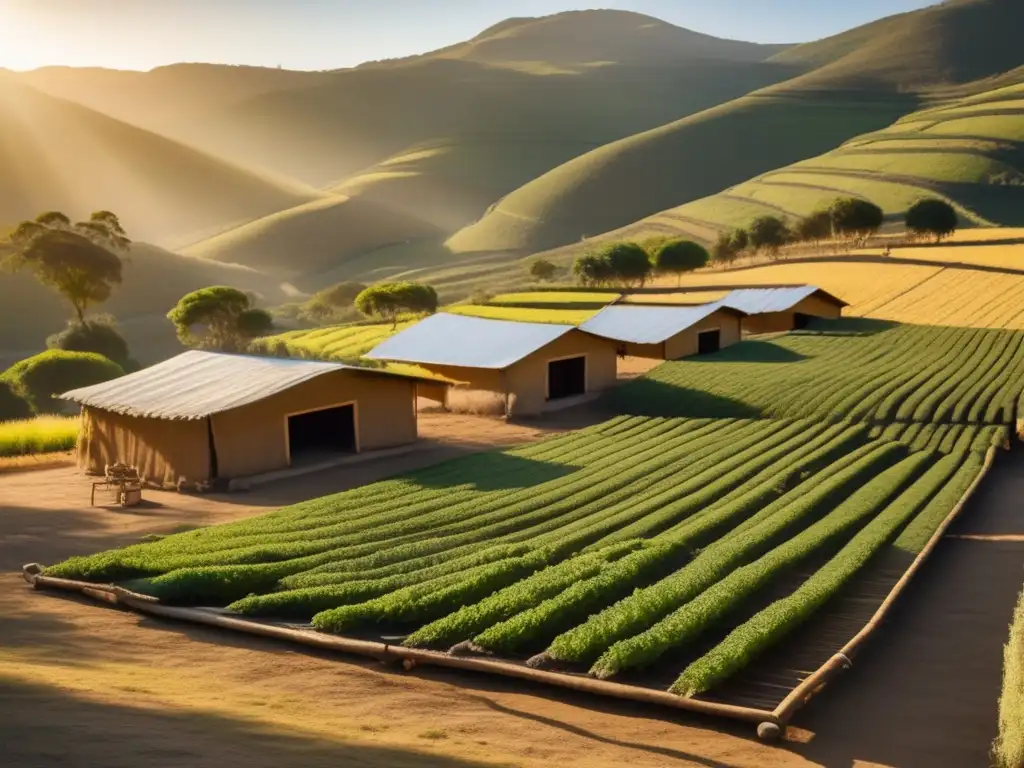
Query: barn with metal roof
[(667, 332), (513, 368), (773, 309), (203, 416)]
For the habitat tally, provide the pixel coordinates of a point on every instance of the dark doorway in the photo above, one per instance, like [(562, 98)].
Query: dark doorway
[(213, 448), (567, 378), (322, 433), (708, 342), (801, 321)]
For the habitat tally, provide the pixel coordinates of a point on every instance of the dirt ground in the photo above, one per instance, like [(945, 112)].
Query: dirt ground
[(85, 685)]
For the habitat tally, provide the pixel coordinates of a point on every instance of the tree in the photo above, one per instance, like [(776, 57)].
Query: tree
[(856, 218), (218, 318), (679, 256), (740, 240), (97, 334), (814, 228), (12, 405), (722, 252), (80, 260), (542, 270), (591, 270), (334, 300), (388, 300), (768, 233), (932, 216), (39, 378), (627, 262)]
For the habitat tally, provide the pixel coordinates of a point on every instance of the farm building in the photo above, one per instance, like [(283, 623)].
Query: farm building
[(201, 416), (521, 367), (771, 310), (667, 333)]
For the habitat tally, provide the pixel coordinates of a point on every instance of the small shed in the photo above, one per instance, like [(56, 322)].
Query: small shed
[(667, 332), (783, 308), (522, 368), (203, 416)]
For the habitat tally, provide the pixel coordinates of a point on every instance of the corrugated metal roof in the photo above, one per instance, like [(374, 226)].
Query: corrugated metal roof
[(638, 324), (197, 384), (470, 342), (758, 301)]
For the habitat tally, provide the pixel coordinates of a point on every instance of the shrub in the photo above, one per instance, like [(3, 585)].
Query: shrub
[(1010, 745), (94, 335), (12, 404), (56, 371)]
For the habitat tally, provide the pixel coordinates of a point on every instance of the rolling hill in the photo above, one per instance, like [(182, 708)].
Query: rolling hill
[(55, 154), (855, 82)]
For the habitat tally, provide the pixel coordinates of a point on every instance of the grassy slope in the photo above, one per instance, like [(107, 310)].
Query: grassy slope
[(859, 80), (58, 155)]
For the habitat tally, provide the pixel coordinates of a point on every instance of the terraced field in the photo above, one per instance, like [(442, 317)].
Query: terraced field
[(340, 342), (847, 369), (641, 543)]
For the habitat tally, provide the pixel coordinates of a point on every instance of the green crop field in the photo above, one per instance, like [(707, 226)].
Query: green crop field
[(43, 434), (634, 543), (847, 369), (1009, 750), (338, 342)]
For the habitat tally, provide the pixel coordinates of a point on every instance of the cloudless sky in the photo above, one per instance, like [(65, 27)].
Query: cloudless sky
[(329, 34)]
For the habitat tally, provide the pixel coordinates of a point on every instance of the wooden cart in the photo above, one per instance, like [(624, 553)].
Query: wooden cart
[(121, 483)]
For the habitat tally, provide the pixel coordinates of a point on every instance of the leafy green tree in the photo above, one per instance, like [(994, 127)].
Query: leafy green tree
[(628, 263), (722, 252), (38, 378), (739, 238), (12, 405), (932, 216), (592, 270), (543, 270), (768, 233), (333, 301), (218, 318), (814, 228), (80, 261), (679, 256), (856, 218), (389, 300)]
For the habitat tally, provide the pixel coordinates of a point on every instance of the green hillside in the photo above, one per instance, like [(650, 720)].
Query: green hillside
[(58, 155), (859, 81), (969, 152)]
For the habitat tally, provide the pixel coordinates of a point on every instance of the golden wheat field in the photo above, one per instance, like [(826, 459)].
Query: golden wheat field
[(975, 280)]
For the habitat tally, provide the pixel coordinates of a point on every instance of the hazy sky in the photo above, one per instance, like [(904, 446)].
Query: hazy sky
[(327, 34)]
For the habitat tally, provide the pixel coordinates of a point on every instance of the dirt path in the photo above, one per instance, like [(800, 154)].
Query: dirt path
[(83, 685)]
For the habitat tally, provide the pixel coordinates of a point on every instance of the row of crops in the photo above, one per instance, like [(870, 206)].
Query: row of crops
[(847, 369), (644, 542)]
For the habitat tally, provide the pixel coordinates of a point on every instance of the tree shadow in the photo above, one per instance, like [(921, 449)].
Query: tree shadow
[(847, 326), (650, 397), (755, 351), (43, 725)]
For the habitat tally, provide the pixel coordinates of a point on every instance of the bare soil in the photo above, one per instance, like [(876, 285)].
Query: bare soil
[(86, 685)]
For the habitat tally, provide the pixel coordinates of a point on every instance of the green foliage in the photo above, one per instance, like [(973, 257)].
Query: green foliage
[(932, 217), (79, 261), (97, 335), (333, 301), (855, 217), (12, 404), (768, 233), (613, 264), (814, 227), (542, 270), (54, 372), (858, 369), (388, 300), (680, 256), (218, 318)]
